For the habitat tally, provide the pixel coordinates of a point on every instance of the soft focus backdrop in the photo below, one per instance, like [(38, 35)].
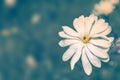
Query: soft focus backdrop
[(29, 40)]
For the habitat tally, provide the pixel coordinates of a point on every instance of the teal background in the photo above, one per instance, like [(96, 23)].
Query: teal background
[(40, 41)]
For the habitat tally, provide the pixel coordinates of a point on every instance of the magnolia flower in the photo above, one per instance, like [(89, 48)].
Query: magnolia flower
[(89, 41)]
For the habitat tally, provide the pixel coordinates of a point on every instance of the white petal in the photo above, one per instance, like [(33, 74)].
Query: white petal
[(86, 64), (106, 60), (78, 24), (63, 35), (101, 43), (110, 39), (93, 59), (68, 42), (76, 57), (98, 24), (107, 31), (97, 52), (70, 31), (89, 21), (99, 27), (69, 53)]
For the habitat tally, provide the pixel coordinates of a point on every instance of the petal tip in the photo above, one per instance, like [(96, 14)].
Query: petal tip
[(64, 27), (111, 39), (59, 33), (72, 67), (60, 43), (106, 60), (64, 59), (99, 66), (88, 73)]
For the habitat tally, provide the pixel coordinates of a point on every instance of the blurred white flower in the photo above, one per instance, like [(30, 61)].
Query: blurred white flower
[(89, 41), (30, 62), (10, 3), (14, 30), (119, 51), (117, 45), (118, 42), (35, 18), (114, 2), (5, 32), (9, 31), (104, 7)]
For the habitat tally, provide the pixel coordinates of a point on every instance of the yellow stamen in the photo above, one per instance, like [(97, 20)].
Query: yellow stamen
[(85, 39)]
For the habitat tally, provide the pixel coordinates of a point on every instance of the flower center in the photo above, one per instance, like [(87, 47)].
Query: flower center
[(85, 39)]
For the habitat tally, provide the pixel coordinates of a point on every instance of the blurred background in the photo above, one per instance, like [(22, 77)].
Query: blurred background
[(29, 40)]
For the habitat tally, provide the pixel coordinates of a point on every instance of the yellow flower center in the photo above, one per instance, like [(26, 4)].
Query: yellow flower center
[(85, 39)]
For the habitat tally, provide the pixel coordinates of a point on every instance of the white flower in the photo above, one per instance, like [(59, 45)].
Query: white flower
[(88, 41), (10, 3), (35, 18), (117, 45), (104, 7), (114, 2)]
